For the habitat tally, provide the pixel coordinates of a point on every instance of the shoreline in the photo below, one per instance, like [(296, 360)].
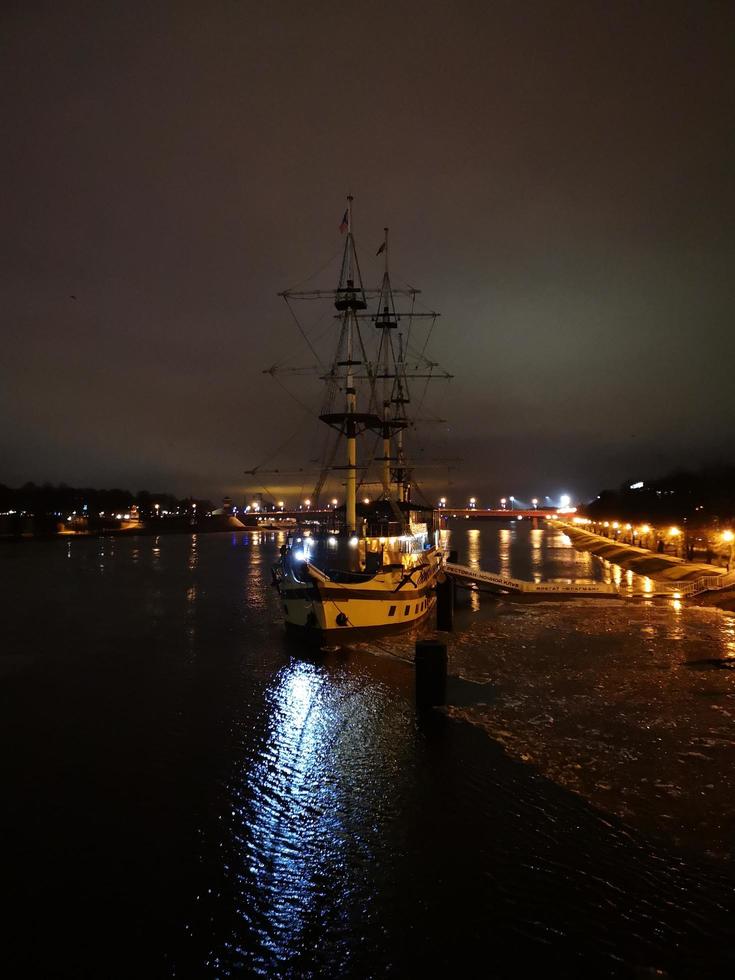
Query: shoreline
[(660, 567), (206, 525)]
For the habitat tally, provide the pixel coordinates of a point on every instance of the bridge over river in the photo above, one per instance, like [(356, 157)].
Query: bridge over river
[(477, 513)]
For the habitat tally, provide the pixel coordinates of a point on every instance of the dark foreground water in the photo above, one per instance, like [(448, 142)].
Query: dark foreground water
[(187, 794)]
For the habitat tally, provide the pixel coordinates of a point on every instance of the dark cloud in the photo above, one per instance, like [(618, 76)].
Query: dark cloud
[(557, 177)]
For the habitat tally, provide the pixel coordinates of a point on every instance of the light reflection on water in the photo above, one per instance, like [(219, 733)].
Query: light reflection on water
[(308, 803), (193, 553), (291, 835)]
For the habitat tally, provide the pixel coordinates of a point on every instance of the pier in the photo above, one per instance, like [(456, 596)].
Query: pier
[(504, 584)]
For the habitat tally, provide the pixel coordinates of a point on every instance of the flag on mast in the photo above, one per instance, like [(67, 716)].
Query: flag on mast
[(381, 249), (344, 224)]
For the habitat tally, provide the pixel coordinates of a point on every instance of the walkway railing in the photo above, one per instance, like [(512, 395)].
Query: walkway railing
[(520, 585), (705, 583)]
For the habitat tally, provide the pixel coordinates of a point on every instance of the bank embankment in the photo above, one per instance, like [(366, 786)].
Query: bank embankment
[(666, 568)]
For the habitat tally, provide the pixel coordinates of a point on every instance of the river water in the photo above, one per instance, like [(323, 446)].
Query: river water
[(187, 793)]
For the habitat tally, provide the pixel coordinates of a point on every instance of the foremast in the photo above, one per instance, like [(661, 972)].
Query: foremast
[(350, 301)]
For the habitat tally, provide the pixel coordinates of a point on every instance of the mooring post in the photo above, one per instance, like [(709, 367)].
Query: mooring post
[(445, 604), (431, 672)]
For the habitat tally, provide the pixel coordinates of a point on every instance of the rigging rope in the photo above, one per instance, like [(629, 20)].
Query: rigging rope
[(317, 273), (303, 333)]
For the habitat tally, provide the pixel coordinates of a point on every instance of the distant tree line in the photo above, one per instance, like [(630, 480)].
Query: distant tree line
[(47, 499), (701, 496)]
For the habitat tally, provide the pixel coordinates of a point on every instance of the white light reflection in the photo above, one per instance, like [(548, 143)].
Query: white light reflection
[(504, 550), (537, 539), (473, 560), (290, 827)]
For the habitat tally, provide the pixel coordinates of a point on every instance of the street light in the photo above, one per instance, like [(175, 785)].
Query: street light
[(503, 502), (280, 504), (473, 502), (535, 503), (442, 501), (334, 502), (307, 503), (512, 502)]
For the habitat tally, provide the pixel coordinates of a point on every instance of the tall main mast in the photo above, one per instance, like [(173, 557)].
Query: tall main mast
[(350, 298)]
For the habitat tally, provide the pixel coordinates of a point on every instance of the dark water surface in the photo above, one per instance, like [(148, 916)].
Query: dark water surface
[(188, 794)]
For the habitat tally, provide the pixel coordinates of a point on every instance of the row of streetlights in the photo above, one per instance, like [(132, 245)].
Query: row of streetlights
[(504, 501), (642, 532)]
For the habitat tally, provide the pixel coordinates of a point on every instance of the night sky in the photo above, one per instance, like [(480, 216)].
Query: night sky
[(558, 179)]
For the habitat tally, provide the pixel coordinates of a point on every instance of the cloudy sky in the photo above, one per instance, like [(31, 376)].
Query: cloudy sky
[(557, 176)]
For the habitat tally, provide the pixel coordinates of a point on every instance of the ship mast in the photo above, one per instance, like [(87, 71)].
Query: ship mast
[(395, 398), (349, 301), (386, 321), (352, 304)]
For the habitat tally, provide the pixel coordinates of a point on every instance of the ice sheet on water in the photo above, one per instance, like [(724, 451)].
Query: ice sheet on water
[(603, 700)]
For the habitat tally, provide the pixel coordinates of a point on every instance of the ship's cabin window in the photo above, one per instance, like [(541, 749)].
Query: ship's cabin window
[(407, 610), (392, 611)]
